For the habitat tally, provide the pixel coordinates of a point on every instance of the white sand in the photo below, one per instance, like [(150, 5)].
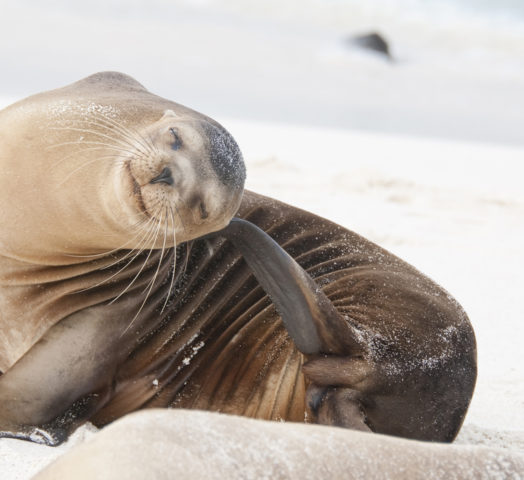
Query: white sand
[(451, 208)]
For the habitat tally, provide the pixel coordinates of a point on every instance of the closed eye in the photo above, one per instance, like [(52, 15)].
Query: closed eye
[(177, 143)]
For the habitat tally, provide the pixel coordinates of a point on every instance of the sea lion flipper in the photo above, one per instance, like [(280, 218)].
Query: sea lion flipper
[(309, 316), (20, 414), (51, 435), (56, 385)]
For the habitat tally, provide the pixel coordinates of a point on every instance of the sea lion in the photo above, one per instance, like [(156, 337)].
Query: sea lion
[(101, 315), (215, 446)]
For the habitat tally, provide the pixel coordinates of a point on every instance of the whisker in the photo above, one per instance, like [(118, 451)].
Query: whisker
[(142, 242), (174, 261), (136, 276), (151, 284), (161, 256), (123, 129), (84, 165), (142, 224), (124, 138), (189, 247), (138, 251), (116, 148), (116, 141), (149, 141), (83, 150)]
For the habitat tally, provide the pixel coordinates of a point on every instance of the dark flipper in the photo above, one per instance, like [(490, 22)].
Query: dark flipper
[(61, 380), (309, 316), (314, 325), (57, 431)]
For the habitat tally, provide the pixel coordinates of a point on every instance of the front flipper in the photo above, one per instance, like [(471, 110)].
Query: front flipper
[(336, 367), (51, 433), (61, 380)]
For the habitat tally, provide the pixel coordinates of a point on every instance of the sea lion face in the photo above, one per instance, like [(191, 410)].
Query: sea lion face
[(87, 177), (184, 176)]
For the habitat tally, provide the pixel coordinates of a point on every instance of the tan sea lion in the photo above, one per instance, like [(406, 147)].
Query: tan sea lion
[(164, 444), (101, 315)]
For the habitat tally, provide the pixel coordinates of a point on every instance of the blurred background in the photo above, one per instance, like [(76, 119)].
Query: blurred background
[(457, 69), (421, 150)]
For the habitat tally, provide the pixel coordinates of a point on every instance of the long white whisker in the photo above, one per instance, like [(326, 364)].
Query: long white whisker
[(87, 149), (130, 284), (108, 146), (124, 130), (124, 137), (84, 165), (116, 141), (143, 224), (138, 251), (150, 283), (171, 283)]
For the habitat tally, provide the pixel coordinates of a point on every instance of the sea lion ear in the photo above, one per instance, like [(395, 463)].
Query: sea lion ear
[(169, 114)]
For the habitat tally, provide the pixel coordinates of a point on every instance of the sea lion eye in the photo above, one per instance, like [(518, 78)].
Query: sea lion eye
[(177, 142), (165, 177)]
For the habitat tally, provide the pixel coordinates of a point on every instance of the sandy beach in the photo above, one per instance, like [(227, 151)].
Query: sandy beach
[(424, 157), (458, 222)]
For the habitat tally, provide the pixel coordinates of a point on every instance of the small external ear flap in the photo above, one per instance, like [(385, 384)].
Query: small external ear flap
[(168, 113)]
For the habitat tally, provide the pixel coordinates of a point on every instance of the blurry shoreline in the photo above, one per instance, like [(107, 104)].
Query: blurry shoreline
[(456, 75)]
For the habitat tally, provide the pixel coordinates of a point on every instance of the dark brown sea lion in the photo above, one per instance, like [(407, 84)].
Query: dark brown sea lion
[(100, 181)]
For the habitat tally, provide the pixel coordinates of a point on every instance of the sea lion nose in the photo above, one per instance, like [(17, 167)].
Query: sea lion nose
[(225, 156), (165, 176)]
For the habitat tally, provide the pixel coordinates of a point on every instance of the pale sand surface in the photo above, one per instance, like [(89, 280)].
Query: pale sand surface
[(453, 209)]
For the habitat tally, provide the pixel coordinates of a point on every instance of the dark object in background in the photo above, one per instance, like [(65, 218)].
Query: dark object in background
[(372, 41)]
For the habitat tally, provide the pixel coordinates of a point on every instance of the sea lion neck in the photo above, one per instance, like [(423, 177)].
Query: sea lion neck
[(38, 296)]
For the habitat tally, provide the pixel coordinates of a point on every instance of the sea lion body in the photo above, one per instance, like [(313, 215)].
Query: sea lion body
[(94, 332), (227, 350)]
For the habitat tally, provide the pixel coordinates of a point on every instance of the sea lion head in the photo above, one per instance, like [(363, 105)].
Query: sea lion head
[(185, 173), (103, 165)]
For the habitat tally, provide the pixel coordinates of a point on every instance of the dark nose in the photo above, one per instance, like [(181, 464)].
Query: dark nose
[(225, 155), (165, 176)]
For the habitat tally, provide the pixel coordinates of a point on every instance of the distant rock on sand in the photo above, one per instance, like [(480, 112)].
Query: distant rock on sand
[(372, 41), (166, 444)]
